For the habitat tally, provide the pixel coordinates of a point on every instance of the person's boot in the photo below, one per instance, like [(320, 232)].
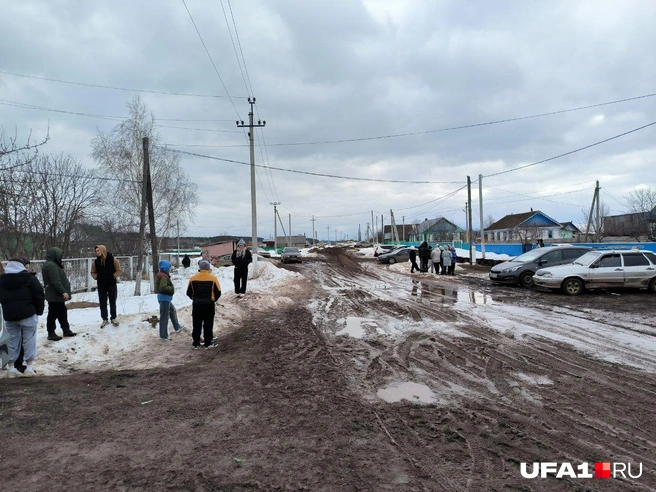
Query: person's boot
[(69, 333), (54, 337)]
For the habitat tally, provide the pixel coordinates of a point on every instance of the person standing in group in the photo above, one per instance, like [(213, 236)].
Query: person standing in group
[(204, 290), (436, 256), (105, 270), (23, 301), (446, 260), (424, 254), (413, 260), (165, 290), (454, 260), (186, 261), (58, 291), (241, 257)]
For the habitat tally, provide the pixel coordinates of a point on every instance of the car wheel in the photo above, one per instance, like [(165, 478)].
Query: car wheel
[(652, 285), (392, 261), (573, 286), (526, 279)]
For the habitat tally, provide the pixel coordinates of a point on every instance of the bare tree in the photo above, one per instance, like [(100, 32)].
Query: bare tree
[(489, 220), (65, 194), (9, 147), (120, 155), (641, 200)]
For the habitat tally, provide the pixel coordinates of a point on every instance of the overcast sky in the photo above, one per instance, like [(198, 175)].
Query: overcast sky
[(357, 89)]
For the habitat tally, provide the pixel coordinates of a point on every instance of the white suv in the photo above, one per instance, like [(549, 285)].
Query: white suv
[(601, 269)]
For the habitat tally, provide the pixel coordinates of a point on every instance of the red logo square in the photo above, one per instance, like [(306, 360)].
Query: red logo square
[(602, 470)]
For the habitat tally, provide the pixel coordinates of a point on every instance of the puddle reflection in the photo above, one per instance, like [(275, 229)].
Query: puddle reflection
[(445, 294)]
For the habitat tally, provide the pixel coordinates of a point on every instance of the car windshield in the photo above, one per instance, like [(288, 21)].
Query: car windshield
[(529, 256), (291, 250), (587, 258)]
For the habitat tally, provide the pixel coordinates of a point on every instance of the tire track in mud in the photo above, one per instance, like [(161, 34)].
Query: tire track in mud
[(541, 392)]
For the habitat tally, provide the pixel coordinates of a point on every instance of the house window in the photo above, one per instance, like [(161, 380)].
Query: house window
[(505, 235), (498, 236), (550, 233)]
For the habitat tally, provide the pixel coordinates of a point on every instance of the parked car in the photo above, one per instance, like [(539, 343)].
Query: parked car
[(520, 270), (601, 269), (362, 245), (261, 252), (398, 255), (290, 254), (4, 341), (225, 260), (381, 249)]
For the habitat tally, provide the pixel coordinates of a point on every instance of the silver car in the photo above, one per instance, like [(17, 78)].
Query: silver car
[(601, 269), (290, 254)]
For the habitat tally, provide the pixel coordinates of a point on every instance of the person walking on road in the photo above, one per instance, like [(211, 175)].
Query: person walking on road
[(413, 260), (204, 290), (58, 291), (165, 290), (186, 261), (241, 257), (23, 301), (454, 260), (106, 270)]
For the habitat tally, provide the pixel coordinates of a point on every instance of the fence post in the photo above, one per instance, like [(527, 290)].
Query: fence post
[(131, 268), (89, 277)]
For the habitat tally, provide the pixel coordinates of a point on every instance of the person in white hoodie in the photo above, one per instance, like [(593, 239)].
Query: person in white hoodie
[(23, 301)]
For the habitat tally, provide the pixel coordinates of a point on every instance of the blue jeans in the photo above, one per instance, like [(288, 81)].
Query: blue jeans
[(166, 310), (24, 330)]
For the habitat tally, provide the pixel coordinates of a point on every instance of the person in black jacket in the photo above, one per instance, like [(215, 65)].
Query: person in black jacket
[(204, 290), (105, 269), (186, 261), (424, 254), (23, 301), (241, 257), (413, 260)]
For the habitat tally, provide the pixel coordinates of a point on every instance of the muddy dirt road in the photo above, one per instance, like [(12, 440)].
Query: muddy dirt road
[(368, 379)]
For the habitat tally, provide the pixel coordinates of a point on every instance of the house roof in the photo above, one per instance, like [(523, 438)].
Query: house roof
[(526, 219), (651, 216), (570, 226), (428, 225)]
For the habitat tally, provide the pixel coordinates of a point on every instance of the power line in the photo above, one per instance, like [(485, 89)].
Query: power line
[(116, 88), (240, 50), (447, 129), (572, 151), (6, 102), (234, 47), (310, 173), (210, 57)]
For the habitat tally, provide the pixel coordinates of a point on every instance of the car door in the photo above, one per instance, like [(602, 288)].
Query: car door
[(637, 270), (552, 258), (607, 271)]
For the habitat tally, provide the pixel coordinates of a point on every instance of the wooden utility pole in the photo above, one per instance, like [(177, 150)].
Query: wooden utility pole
[(142, 232), (595, 200), (151, 209), (251, 141), (275, 225), (314, 239)]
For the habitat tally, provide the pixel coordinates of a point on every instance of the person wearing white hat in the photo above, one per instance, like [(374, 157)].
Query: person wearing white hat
[(241, 257)]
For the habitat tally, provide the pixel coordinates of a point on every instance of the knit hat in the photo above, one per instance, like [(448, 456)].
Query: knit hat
[(203, 265), (241, 243)]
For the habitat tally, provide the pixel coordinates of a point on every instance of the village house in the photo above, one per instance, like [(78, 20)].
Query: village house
[(436, 230), (529, 228)]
